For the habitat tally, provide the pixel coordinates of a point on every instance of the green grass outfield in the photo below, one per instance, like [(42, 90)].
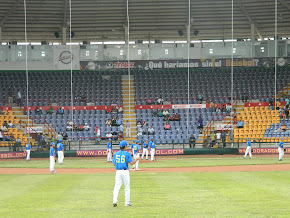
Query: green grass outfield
[(175, 161), (203, 194)]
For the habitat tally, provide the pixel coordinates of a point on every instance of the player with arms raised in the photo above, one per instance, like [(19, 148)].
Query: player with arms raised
[(121, 160)]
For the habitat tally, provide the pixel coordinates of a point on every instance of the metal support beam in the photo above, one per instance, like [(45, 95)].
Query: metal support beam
[(64, 22), (64, 35), (251, 21), (0, 35), (11, 11)]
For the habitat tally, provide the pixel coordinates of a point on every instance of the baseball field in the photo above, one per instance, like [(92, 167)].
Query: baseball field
[(176, 186)]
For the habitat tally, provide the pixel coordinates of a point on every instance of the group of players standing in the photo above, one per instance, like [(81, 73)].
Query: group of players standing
[(135, 146)]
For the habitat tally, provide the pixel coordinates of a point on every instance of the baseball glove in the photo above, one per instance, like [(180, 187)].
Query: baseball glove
[(284, 150)]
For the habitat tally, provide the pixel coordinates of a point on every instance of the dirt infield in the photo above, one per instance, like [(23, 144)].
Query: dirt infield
[(244, 168)]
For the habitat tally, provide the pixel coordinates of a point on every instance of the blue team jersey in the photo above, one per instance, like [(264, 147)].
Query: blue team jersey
[(281, 144), (132, 146), (145, 145), (109, 145), (135, 148), (121, 160), (28, 147), (152, 144), (59, 146), (52, 152), (249, 143)]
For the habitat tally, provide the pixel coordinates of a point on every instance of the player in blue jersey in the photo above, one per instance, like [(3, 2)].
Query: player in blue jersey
[(152, 149), (145, 150), (248, 149), (60, 151), (121, 160), (132, 145), (27, 150), (52, 157), (281, 149), (136, 155), (109, 150)]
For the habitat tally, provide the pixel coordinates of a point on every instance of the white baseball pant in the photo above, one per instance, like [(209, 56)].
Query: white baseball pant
[(27, 155), (136, 165), (122, 176), (60, 157), (145, 151), (51, 166), (281, 153), (109, 155), (128, 132), (152, 153), (248, 151)]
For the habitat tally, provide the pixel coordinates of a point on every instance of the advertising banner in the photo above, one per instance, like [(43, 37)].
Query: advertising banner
[(76, 108), (13, 155), (174, 64), (102, 153), (188, 106), (34, 129), (263, 150)]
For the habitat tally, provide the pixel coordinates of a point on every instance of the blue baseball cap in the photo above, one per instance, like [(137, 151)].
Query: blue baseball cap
[(137, 141), (282, 138), (60, 140), (248, 138), (109, 139), (123, 144), (52, 143), (151, 138)]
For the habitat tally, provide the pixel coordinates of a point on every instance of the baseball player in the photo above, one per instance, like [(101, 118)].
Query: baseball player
[(145, 150), (60, 151), (280, 149), (27, 150), (121, 160), (136, 155), (52, 157), (132, 147), (248, 150), (152, 148), (109, 150)]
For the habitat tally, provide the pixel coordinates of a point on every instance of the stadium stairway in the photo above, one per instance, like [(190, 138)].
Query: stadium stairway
[(128, 97)]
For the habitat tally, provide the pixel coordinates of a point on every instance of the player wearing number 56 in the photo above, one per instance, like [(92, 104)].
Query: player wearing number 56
[(121, 160)]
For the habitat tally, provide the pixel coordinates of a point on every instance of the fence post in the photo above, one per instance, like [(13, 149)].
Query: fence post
[(259, 142), (238, 143)]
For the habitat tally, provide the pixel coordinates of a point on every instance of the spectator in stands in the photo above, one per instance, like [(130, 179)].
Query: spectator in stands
[(10, 98), (223, 109), (118, 121), (81, 127), (58, 137), (141, 131), (286, 112), (149, 101), (241, 124), (200, 124), (114, 121), (229, 108), (139, 123), (271, 103), (128, 129), (69, 128), (98, 135), (200, 97), (120, 109), (160, 101), (17, 144), (40, 142), (108, 122), (213, 139), (114, 110), (50, 110), (192, 141), (151, 131), (154, 112), (177, 117), (86, 127), (170, 118), (287, 102), (211, 106), (218, 138), (38, 111), (278, 104), (19, 98), (109, 135), (60, 111), (167, 126), (281, 113), (10, 124), (165, 113), (5, 124), (218, 110), (160, 113), (283, 128), (121, 128), (4, 128)]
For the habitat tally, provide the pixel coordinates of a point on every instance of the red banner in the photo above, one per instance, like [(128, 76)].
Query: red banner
[(176, 106), (77, 108), (5, 108), (102, 153), (263, 150), (13, 155)]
